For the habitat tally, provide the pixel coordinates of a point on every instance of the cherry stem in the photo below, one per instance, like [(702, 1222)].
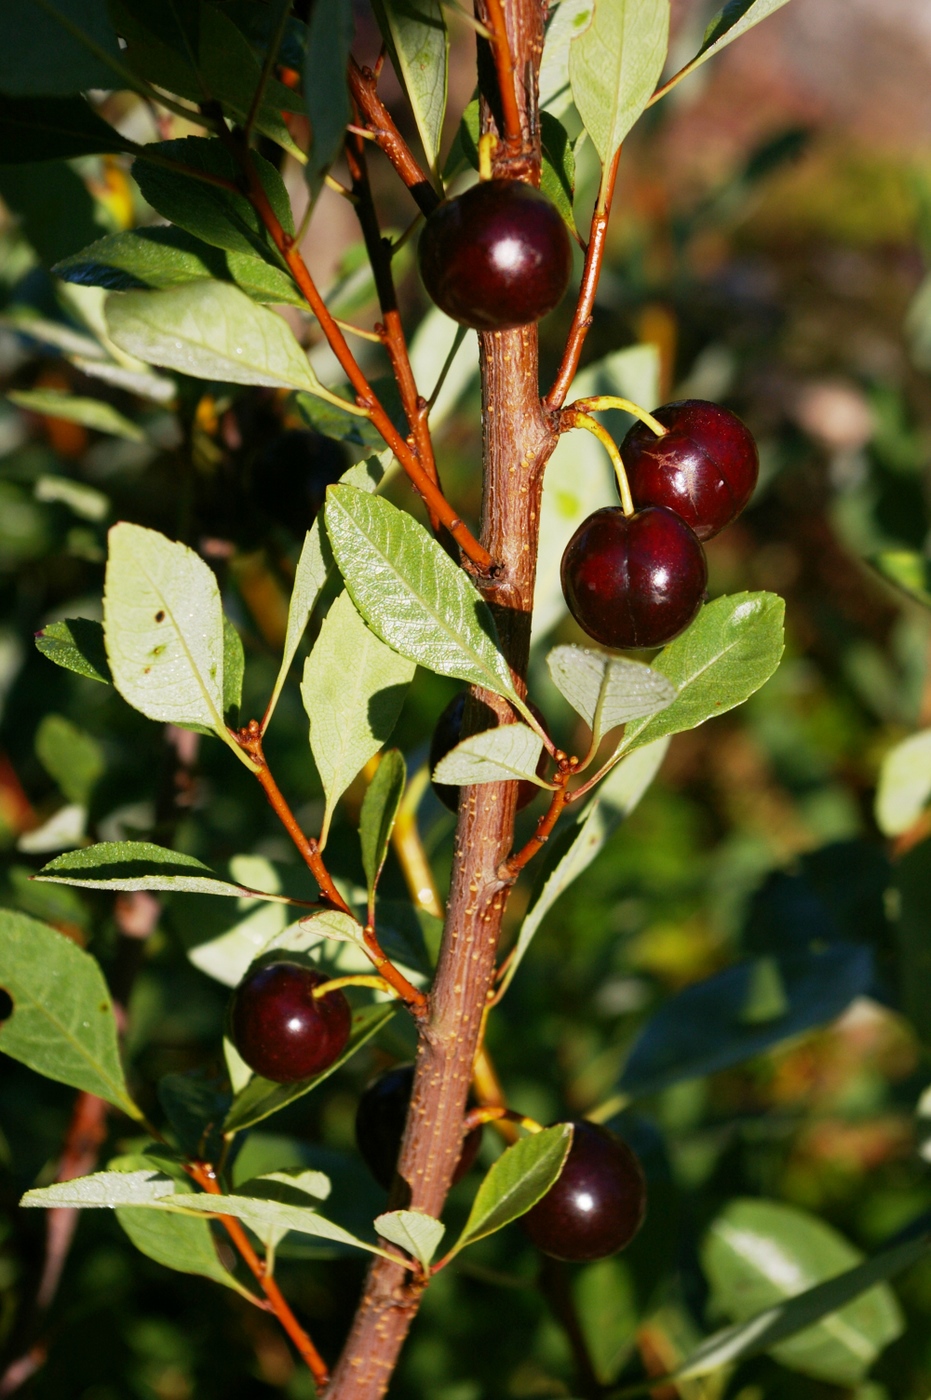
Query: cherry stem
[(494, 1113), (582, 318), (575, 418), (598, 403), (366, 396), (486, 149), (509, 871), (504, 67), (205, 1176), (363, 84), (360, 979)]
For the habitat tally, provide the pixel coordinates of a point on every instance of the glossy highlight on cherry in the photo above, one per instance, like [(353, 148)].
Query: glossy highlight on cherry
[(380, 1119), (634, 581), (281, 1029), (597, 1204), (497, 256), (704, 468)]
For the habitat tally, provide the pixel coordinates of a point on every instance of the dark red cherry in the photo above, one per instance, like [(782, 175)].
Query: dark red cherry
[(380, 1120), (281, 1029), (446, 736), (291, 474), (598, 1203), (704, 468), (633, 581), (497, 256)]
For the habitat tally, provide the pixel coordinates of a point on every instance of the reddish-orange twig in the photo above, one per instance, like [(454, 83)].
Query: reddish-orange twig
[(582, 319), (363, 84), (504, 67), (203, 1173)]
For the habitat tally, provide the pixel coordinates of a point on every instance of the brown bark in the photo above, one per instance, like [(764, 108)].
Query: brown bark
[(517, 443)]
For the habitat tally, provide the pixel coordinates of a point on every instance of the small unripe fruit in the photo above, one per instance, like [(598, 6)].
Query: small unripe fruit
[(633, 581), (497, 256), (704, 468), (380, 1120), (597, 1204), (281, 1029)]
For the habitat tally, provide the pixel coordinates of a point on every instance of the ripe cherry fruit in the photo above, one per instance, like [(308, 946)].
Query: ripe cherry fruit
[(634, 580), (597, 1204), (704, 468), (281, 1029), (497, 256), (446, 736), (380, 1120)]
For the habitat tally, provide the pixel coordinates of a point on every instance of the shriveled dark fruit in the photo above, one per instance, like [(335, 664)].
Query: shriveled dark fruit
[(705, 467), (497, 256), (281, 1029), (380, 1119), (597, 1204), (291, 474), (446, 736), (634, 581)]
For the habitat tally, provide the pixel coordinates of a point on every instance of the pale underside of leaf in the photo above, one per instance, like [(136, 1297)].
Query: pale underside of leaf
[(614, 67), (606, 690), (509, 752)]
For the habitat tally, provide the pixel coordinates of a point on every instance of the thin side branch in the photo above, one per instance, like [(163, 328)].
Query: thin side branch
[(582, 319), (504, 67), (363, 84)]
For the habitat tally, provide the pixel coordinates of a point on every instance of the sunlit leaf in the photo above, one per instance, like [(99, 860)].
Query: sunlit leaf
[(415, 32), (413, 1230), (614, 66), (521, 1175), (608, 690), (496, 755), (77, 645), (140, 865), (379, 809), (92, 413)]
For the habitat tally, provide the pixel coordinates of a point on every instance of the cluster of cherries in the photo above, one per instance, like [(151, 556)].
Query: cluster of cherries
[(288, 1028), (498, 257)]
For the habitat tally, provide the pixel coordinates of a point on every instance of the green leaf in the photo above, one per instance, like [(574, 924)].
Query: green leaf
[(411, 593), (764, 1331), (413, 1230), (53, 128), (607, 690), (178, 1241), (234, 668), (103, 1190), (741, 1012), (557, 174), (210, 330), (80, 498), (353, 689), (574, 849), (732, 20), (77, 645), (314, 568), (759, 1253), (520, 1177), (195, 1104), (221, 217), (731, 649), (69, 755), (912, 899), (271, 1220), (62, 1024), (163, 623), (568, 20), (906, 570), (904, 786), (140, 865), (57, 214), (342, 928), (326, 90), (379, 810), (92, 413), (614, 66), (41, 54), (229, 956), (496, 755), (261, 1097), (418, 43)]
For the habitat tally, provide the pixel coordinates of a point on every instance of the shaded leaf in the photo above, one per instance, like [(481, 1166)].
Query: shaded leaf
[(53, 128), (178, 1241), (69, 755), (614, 66), (140, 865), (261, 1097), (557, 174), (731, 649), (607, 690), (912, 893), (379, 810), (413, 1230), (411, 593), (758, 1253), (57, 214), (195, 1104), (520, 1177), (574, 849), (76, 644), (567, 21), (62, 1023), (41, 53), (707, 1028), (353, 689), (92, 413), (493, 756), (906, 570), (326, 90)]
